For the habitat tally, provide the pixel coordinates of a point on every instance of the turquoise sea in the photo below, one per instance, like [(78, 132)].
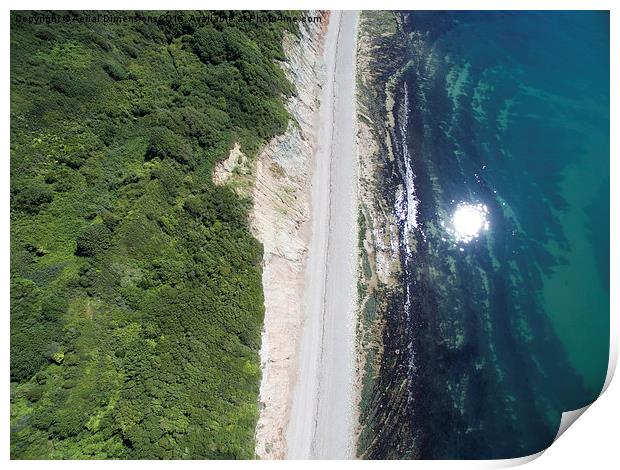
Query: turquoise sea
[(501, 189), (539, 98)]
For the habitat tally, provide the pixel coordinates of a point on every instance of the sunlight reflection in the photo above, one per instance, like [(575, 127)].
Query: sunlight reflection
[(468, 221)]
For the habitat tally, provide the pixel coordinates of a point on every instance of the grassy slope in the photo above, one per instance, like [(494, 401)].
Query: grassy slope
[(136, 302)]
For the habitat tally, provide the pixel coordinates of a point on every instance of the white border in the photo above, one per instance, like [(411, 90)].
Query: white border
[(592, 442)]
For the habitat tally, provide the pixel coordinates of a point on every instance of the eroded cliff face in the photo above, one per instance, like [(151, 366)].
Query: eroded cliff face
[(280, 220)]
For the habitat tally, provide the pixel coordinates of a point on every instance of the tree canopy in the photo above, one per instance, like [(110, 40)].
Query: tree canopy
[(136, 300)]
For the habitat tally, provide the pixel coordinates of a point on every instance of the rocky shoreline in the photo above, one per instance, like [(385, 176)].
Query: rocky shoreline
[(379, 256)]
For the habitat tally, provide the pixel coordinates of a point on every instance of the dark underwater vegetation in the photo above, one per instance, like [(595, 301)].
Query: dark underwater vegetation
[(501, 318)]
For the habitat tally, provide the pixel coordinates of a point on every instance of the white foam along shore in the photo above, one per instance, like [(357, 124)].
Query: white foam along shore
[(321, 419)]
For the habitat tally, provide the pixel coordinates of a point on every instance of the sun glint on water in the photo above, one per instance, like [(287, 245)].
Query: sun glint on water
[(468, 221)]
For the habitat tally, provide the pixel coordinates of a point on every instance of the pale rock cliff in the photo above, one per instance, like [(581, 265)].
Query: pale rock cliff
[(280, 220)]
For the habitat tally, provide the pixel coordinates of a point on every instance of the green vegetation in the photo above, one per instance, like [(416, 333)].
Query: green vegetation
[(136, 301)]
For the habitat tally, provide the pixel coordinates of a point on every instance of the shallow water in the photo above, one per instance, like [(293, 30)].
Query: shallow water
[(508, 326)]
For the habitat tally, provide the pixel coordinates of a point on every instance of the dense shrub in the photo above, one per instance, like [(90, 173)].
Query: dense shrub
[(54, 306), (95, 239), (164, 143), (170, 179), (114, 70), (31, 331), (110, 219), (136, 302), (72, 85), (29, 196), (208, 43)]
